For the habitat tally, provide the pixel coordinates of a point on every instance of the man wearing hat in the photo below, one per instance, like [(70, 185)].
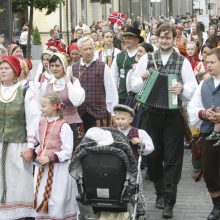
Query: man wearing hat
[(124, 61)]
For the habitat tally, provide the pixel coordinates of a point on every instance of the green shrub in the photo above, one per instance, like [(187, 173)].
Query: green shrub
[(36, 37)]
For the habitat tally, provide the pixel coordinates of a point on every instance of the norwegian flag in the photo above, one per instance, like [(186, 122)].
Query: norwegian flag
[(116, 17)]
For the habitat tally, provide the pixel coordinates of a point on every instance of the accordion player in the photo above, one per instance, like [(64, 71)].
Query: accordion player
[(155, 91)]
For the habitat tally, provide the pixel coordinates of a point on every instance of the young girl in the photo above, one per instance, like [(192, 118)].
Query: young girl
[(55, 190)]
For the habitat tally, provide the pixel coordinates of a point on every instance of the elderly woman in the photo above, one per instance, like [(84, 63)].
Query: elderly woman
[(19, 117)]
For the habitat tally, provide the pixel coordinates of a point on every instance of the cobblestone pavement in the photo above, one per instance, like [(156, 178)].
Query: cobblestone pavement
[(193, 201)]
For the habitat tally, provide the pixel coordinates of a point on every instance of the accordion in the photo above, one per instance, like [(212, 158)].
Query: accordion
[(155, 91)]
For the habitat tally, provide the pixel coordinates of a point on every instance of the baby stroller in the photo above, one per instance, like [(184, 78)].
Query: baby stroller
[(107, 176)]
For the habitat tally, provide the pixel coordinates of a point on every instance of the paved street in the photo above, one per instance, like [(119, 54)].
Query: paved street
[(193, 201)]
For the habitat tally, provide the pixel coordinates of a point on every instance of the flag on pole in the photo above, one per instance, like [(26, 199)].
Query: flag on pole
[(116, 17)]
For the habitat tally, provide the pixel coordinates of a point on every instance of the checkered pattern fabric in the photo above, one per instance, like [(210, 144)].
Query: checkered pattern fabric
[(133, 133), (4, 185), (92, 81), (173, 65)]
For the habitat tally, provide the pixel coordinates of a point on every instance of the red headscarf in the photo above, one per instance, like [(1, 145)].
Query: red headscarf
[(14, 63)]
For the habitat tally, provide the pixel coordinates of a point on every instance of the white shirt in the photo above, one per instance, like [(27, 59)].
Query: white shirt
[(23, 38), (32, 113), (108, 52), (110, 87), (114, 68), (187, 74), (195, 105), (145, 139), (76, 93)]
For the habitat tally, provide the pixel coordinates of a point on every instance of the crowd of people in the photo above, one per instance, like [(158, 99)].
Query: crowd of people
[(93, 82)]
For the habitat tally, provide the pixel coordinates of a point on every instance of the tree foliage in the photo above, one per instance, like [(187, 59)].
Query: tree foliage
[(22, 5), (36, 37), (49, 5)]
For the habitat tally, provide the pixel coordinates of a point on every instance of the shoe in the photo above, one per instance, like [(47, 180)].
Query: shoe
[(215, 214), (217, 144), (159, 202), (167, 211), (214, 136)]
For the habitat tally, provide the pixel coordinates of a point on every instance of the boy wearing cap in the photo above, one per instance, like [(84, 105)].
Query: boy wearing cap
[(124, 116)]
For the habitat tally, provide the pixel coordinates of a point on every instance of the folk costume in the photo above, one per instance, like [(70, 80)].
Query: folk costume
[(72, 95), (107, 55), (55, 190), (207, 95), (123, 63), (19, 118), (100, 91), (166, 127)]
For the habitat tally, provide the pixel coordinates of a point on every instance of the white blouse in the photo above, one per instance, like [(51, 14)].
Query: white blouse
[(76, 93)]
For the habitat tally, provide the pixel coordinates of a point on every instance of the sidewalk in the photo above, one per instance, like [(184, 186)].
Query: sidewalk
[(193, 200)]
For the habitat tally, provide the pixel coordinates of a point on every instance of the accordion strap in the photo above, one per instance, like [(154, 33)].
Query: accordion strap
[(155, 64)]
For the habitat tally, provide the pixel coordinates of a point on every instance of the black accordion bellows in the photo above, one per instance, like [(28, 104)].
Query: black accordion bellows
[(155, 91)]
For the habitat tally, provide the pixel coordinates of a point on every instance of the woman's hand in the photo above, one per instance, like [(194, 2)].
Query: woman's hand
[(27, 154)]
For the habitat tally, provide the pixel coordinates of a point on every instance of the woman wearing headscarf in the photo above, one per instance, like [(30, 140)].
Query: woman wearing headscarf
[(19, 117)]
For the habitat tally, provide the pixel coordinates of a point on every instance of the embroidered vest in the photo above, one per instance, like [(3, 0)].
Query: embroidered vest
[(210, 97), (12, 120), (92, 81), (133, 133), (70, 113), (52, 140), (124, 63)]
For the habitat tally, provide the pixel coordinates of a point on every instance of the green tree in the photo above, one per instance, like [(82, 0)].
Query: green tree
[(21, 6), (36, 37)]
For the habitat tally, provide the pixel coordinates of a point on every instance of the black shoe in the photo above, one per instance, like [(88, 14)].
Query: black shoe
[(167, 211), (217, 144), (215, 214), (159, 202), (214, 136)]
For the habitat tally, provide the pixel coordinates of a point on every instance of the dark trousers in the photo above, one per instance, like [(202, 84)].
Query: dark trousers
[(211, 165), (88, 121), (165, 162)]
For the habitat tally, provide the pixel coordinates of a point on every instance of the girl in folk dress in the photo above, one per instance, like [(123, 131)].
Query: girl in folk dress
[(70, 92), (19, 118), (55, 190)]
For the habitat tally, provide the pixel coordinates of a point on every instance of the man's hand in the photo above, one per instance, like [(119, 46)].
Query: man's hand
[(27, 154), (176, 89), (43, 160)]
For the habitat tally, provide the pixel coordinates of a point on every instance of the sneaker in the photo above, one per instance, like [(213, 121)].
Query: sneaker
[(217, 144)]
